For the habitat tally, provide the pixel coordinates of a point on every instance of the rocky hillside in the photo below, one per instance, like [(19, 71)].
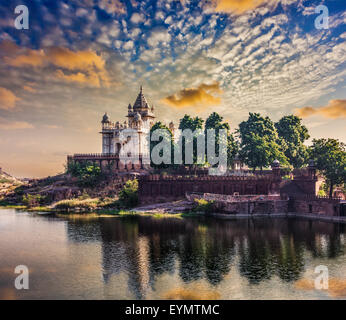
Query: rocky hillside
[(8, 183), (61, 187)]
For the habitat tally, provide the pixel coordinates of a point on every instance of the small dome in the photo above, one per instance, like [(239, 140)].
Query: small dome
[(276, 163), (129, 107), (105, 118), (137, 117)]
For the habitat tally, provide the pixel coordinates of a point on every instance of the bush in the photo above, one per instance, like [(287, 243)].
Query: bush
[(128, 196), (88, 174), (33, 200), (202, 205), (87, 205)]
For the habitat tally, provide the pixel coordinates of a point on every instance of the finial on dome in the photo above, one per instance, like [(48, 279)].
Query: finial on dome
[(141, 90), (105, 118)]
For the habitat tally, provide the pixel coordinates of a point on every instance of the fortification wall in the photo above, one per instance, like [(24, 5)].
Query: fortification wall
[(304, 204), (255, 204), (156, 188)]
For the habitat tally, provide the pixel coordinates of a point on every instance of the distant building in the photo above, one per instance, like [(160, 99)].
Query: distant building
[(114, 134), (124, 139)]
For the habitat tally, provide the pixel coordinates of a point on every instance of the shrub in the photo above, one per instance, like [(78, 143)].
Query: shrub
[(128, 196), (84, 196), (88, 204), (88, 174), (33, 200), (202, 205), (322, 192)]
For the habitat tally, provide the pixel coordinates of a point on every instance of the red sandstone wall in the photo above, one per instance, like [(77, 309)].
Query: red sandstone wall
[(167, 188), (327, 207)]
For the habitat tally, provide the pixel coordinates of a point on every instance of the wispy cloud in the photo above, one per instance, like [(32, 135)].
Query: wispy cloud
[(14, 125), (112, 6), (335, 109), (7, 99), (83, 66), (237, 6)]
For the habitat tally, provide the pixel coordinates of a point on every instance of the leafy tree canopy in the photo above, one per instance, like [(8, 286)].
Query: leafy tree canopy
[(294, 134), (330, 159), (214, 121), (88, 174), (260, 144), (196, 126), (168, 138)]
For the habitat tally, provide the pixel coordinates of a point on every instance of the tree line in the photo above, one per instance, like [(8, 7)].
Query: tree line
[(258, 141)]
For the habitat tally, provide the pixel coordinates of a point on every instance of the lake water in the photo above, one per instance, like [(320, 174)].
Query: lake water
[(93, 257)]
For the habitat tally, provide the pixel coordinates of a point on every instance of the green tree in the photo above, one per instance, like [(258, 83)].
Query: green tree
[(214, 121), (330, 159), (259, 145), (196, 126), (294, 134), (168, 138), (128, 196), (88, 174)]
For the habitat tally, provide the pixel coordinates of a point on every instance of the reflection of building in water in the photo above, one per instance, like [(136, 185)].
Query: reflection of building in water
[(139, 248), (143, 262)]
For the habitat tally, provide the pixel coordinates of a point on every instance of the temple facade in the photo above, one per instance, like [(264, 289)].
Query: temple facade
[(125, 144), (130, 137)]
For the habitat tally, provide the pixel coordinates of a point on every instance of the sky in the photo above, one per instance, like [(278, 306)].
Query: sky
[(81, 58)]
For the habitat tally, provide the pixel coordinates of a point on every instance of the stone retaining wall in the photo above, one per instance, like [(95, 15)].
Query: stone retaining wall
[(247, 204)]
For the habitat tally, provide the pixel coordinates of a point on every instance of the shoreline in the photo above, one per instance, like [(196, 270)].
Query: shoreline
[(175, 215), (281, 215)]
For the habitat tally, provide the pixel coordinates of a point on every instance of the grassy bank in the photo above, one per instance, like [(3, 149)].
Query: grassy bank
[(91, 207)]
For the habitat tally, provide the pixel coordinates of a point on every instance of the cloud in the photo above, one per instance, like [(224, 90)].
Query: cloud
[(198, 98), (88, 67), (91, 78), (237, 6), (137, 18), (335, 109), (112, 6), (7, 99), (159, 35), (29, 89), (14, 125)]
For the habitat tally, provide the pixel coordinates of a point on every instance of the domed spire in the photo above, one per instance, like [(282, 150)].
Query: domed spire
[(129, 107), (141, 102)]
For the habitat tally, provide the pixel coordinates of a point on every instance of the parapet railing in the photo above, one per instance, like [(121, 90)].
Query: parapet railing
[(297, 196), (95, 156), (234, 198), (157, 177)]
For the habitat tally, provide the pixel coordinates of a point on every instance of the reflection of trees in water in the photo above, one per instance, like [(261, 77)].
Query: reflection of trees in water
[(289, 259), (146, 248), (327, 244), (218, 257), (255, 260)]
